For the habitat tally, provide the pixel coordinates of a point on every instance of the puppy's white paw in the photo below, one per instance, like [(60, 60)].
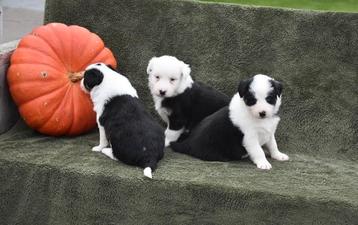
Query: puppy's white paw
[(263, 164), (148, 172), (280, 156), (97, 148), (109, 152), (167, 142)]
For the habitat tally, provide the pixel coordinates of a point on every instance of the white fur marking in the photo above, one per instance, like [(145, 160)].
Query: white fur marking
[(109, 152), (148, 172), (103, 142), (274, 152), (163, 112), (172, 135)]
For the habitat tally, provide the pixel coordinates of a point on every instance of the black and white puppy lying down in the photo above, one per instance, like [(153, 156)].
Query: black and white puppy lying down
[(123, 123), (180, 102), (240, 129)]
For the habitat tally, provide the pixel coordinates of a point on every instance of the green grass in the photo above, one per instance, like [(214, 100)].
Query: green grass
[(327, 5)]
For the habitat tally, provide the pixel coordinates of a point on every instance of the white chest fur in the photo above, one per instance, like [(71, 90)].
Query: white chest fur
[(265, 129), (253, 128), (164, 113)]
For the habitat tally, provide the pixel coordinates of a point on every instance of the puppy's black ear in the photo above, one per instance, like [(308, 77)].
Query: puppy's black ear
[(111, 67), (277, 86), (244, 87), (92, 78)]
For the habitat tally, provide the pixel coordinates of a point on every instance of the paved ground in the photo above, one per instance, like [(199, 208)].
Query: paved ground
[(19, 17)]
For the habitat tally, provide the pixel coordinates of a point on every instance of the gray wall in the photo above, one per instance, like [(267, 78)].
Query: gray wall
[(8, 111)]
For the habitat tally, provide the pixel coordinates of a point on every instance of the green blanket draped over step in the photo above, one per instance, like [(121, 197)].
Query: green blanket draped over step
[(47, 180)]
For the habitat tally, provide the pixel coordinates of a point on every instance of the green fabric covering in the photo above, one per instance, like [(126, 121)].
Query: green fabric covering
[(48, 180)]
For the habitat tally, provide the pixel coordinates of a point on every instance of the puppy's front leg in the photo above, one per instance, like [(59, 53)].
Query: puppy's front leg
[(103, 142), (175, 128), (256, 153), (172, 135), (274, 152)]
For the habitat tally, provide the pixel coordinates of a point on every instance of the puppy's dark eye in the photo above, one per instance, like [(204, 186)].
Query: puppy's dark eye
[(271, 99), (157, 77), (98, 64), (250, 100), (172, 79)]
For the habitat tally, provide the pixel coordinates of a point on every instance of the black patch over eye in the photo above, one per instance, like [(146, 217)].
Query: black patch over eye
[(92, 77), (249, 99), (271, 99)]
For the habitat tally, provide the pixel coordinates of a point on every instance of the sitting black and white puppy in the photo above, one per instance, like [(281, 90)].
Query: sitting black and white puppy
[(243, 127), (180, 102), (135, 138)]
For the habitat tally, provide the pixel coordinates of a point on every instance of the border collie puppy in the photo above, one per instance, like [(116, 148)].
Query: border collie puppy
[(243, 127), (180, 102), (123, 123)]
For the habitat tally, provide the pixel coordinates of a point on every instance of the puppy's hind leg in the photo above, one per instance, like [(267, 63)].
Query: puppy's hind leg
[(109, 152)]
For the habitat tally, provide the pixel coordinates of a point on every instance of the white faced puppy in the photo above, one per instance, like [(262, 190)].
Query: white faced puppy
[(180, 102), (248, 123), (135, 138)]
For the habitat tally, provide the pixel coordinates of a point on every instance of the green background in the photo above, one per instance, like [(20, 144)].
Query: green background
[(330, 5)]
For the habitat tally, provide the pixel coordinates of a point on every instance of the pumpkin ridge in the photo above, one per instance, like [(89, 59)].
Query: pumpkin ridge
[(44, 53), (58, 106), (73, 114), (44, 64), (54, 50), (57, 59), (36, 81), (46, 119), (47, 93), (104, 57), (82, 49), (93, 36)]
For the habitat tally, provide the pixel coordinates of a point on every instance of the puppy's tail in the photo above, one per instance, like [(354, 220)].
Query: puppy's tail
[(149, 168), (148, 172)]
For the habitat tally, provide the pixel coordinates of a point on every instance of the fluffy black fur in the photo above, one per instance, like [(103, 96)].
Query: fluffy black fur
[(193, 105), (222, 140), (135, 137)]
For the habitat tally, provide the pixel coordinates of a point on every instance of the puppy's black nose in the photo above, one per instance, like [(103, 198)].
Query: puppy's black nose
[(262, 114), (162, 93)]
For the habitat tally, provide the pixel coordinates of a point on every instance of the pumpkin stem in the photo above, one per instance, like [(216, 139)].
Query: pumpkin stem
[(75, 76)]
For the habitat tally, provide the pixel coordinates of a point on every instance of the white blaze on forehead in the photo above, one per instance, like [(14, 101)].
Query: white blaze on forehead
[(261, 86)]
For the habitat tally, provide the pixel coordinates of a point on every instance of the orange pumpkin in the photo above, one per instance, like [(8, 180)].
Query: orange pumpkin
[(45, 73)]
